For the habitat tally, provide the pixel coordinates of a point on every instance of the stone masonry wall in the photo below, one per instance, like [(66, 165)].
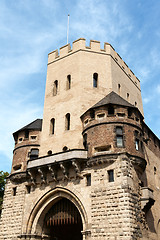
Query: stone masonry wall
[(115, 206), (11, 218)]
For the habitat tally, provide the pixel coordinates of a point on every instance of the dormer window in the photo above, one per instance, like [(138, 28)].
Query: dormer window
[(92, 114), (110, 110), (95, 80), (129, 112), (26, 134)]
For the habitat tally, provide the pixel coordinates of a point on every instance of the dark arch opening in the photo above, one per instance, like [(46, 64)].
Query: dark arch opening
[(63, 221)]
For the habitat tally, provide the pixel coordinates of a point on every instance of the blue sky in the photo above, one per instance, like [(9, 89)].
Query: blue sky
[(30, 29)]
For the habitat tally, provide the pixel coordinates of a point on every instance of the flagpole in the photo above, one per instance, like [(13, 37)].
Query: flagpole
[(68, 28)]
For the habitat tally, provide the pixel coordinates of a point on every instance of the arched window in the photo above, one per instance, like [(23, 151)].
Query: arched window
[(68, 82), (95, 80), (55, 88), (52, 128), (67, 121)]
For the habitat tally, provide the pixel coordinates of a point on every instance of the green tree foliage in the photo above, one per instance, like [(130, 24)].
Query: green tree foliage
[(3, 176)]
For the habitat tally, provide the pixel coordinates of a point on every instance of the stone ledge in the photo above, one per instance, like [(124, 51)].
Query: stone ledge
[(62, 156)]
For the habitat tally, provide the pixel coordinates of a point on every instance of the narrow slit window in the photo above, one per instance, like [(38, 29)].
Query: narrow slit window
[(95, 80), (28, 189), (137, 144), (119, 89), (55, 88), (128, 96), (67, 124), (111, 176), (68, 82), (85, 141), (88, 180), (14, 191), (52, 129)]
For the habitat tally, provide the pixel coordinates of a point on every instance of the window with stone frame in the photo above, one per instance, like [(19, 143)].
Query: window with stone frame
[(34, 153), (119, 137), (111, 175)]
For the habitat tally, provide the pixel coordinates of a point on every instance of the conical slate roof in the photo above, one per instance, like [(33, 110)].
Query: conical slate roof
[(35, 125), (112, 98)]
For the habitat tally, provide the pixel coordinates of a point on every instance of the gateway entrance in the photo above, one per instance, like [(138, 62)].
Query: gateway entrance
[(63, 221)]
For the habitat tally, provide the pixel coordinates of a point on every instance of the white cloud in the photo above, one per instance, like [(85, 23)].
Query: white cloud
[(158, 88)]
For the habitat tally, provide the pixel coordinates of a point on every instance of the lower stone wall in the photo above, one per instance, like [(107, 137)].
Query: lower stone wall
[(115, 206), (12, 212), (113, 209)]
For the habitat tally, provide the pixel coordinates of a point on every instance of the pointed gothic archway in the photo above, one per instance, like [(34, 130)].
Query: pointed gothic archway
[(63, 221), (59, 210)]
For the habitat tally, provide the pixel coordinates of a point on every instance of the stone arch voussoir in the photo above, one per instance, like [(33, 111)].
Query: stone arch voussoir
[(35, 221)]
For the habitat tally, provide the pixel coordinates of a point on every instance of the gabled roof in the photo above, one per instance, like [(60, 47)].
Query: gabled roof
[(35, 125), (112, 98)]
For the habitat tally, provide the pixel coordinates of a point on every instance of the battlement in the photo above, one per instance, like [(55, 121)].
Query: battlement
[(94, 46)]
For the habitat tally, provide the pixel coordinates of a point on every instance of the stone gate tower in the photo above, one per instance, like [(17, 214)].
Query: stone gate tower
[(90, 169)]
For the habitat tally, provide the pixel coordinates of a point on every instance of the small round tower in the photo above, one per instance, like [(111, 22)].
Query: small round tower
[(113, 126), (27, 143)]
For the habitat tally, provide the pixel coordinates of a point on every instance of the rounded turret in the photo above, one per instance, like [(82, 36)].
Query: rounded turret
[(113, 126), (27, 143)]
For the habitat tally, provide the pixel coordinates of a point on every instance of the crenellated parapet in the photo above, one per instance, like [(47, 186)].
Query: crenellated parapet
[(94, 46)]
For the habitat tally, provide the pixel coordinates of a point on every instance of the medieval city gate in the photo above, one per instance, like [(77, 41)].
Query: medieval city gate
[(58, 215), (63, 221)]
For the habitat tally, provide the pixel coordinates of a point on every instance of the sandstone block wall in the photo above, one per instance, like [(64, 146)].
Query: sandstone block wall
[(12, 211)]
